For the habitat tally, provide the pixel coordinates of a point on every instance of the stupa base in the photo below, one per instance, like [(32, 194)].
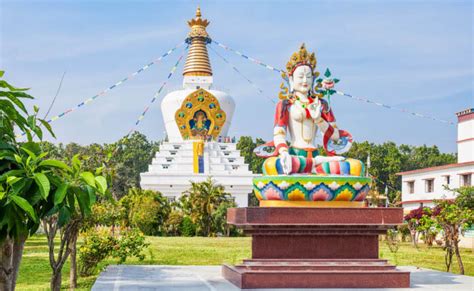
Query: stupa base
[(297, 247)]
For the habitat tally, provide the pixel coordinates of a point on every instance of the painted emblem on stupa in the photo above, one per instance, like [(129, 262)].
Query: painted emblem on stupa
[(200, 116)]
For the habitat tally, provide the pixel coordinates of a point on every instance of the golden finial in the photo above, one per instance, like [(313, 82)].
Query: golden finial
[(198, 12), (198, 22), (299, 58), (197, 61)]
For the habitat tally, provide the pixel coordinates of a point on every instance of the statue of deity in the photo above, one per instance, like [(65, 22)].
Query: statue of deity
[(301, 113), (296, 171)]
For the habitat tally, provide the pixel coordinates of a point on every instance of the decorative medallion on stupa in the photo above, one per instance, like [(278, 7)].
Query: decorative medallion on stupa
[(197, 120)]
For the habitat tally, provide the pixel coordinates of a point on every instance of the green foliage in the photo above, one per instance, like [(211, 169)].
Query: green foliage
[(148, 210), (24, 175), (107, 212), (388, 159), (452, 217), (187, 227), (96, 247), (123, 160), (130, 243), (13, 114), (102, 243), (206, 203), (246, 145), (34, 188), (404, 231), (219, 218), (173, 223)]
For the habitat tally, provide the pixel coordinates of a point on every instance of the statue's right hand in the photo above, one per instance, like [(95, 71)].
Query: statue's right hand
[(285, 160)]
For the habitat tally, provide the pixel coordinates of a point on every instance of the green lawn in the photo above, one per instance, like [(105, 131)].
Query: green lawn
[(35, 271)]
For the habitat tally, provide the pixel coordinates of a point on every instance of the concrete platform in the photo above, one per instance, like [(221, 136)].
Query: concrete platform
[(201, 278)]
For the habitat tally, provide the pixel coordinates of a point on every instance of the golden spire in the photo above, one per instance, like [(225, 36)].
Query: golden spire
[(197, 62)]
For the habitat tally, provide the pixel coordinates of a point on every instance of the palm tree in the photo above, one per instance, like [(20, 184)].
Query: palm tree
[(201, 201)]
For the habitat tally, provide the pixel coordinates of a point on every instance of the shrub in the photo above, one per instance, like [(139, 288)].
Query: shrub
[(173, 223), (148, 210), (187, 227), (97, 246), (130, 243), (100, 243)]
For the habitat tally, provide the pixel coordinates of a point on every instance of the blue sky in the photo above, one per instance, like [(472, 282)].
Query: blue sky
[(416, 55)]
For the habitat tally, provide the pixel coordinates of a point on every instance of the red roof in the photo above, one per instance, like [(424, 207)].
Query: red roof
[(423, 201), (448, 166)]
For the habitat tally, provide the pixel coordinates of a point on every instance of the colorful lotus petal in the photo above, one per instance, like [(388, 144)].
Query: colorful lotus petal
[(311, 188), (272, 194), (296, 195), (344, 195), (321, 195)]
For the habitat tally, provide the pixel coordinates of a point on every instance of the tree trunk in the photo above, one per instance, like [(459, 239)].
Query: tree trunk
[(6, 267), (448, 257), (414, 238), (18, 247), (73, 270), (56, 280), (458, 256)]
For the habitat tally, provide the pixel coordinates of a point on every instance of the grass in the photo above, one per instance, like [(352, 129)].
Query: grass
[(35, 270)]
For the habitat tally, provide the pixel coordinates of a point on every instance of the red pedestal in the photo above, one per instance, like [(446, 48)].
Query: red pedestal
[(315, 248)]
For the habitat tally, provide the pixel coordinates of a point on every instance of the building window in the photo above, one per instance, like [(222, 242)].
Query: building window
[(429, 185), (447, 180), (465, 180), (171, 199), (411, 187)]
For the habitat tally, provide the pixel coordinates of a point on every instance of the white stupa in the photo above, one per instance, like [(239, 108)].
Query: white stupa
[(197, 120)]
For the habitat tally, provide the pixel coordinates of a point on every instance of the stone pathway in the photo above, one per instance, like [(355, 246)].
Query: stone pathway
[(201, 278)]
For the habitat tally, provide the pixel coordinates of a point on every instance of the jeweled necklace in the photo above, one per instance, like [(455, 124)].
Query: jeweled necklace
[(304, 105)]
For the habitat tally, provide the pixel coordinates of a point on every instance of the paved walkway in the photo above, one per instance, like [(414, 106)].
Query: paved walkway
[(201, 278)]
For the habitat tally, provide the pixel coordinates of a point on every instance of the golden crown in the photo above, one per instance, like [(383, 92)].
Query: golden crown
[(299, 58)]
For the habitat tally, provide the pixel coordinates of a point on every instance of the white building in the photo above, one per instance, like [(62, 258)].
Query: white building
[(197, 120), (423, 186)]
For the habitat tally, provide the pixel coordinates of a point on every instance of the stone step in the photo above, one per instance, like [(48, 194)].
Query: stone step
[(328, 267), (346, 261), (244, 277), (316, 264)]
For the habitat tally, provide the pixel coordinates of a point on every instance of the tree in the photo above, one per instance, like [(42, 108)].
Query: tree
[(219, 218), (200, 202), (75, 192), (23, 190), (148, 210), (454, 217), (388, 159), (246, 146), (413, 219), (131, 156), (173, 222)]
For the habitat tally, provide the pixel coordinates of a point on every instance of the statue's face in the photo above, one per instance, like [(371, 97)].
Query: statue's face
[(302, 79)]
